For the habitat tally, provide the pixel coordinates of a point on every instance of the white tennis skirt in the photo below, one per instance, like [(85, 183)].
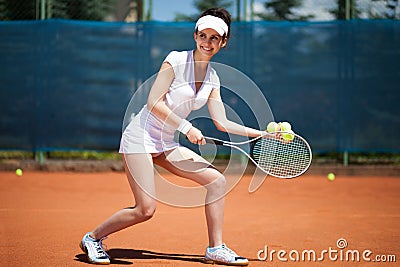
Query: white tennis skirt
[(147, 134)]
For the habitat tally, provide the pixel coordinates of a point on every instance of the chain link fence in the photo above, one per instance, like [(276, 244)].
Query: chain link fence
[(379, 9), (326, 10), (134, 10), (95, 10)]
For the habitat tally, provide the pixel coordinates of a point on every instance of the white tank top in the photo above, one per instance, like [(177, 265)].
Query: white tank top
[(146, 133)]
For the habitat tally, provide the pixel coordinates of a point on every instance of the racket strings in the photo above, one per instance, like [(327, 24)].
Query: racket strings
[(282, 159)]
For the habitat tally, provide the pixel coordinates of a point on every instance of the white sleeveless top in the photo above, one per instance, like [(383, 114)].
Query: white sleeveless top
[(146, 133)]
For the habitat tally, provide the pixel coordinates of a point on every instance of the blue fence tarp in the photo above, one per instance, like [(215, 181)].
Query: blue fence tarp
[(66, 84)]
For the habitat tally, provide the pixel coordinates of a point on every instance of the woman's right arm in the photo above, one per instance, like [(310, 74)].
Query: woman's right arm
[(157, 106), (155, 101)]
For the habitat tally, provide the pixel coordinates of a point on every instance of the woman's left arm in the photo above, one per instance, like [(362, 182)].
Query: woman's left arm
[(218, 115)]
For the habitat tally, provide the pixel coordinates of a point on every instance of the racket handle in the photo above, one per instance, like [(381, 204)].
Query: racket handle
[(210, 140), (213, 141)]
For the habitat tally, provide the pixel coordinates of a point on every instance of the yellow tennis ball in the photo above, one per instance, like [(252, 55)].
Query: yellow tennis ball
[(331, 176), (288, 135), (273, 127), (18, 172), (285, 126)]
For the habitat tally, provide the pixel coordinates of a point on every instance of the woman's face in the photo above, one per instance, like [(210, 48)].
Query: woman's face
[(209, 42)]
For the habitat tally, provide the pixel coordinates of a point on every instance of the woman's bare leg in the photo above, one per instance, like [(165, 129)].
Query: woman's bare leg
[(186, 163), (140, 173)]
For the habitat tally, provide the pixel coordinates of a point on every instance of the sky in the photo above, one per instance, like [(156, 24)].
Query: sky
[(165, 10)]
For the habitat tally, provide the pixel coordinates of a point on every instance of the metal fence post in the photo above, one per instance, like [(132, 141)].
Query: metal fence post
[(42, 17), (345, 158), (43, 9), (347, 9)]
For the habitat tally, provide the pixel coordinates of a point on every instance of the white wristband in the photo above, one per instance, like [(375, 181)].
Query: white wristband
[(184, 126)]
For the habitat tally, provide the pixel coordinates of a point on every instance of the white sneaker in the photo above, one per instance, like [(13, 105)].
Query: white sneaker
[(223, 255), (94, 250)]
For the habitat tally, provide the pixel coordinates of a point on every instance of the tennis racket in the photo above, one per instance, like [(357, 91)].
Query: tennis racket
[(273, 155)]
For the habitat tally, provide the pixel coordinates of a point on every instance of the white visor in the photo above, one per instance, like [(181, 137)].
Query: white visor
[(211, 22)]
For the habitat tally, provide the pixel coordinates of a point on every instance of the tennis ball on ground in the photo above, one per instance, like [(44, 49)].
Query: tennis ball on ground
[(288, 135), (331, 176), (18, 172), (273, 127), (285, 126)]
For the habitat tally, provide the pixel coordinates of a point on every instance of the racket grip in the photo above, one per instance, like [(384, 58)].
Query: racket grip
[(213, 141)]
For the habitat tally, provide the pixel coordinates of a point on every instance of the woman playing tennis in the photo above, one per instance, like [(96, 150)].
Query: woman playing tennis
[(185, 82)]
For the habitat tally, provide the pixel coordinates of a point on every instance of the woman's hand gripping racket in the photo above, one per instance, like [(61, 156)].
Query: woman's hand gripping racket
[(273, 154)]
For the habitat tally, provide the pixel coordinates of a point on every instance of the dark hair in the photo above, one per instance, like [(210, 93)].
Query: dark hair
[(219, 13)]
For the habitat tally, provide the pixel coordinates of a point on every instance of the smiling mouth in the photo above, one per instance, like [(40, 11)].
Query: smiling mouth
[(206, 49)]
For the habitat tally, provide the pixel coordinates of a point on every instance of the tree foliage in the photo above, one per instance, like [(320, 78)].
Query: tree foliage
[(17, 10), (67, 9), (382, 10), (202, 5), (342, 11), (389, 12), (282, 10)]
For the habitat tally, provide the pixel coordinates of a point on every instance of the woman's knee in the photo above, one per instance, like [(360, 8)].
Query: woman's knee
[(147, 211), (141, 213), (219, 183)]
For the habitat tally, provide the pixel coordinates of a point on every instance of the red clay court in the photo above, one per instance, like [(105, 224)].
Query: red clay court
[(45, 214)]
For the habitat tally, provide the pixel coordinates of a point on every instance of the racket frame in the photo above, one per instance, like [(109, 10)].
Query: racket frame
[(252, 142)]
